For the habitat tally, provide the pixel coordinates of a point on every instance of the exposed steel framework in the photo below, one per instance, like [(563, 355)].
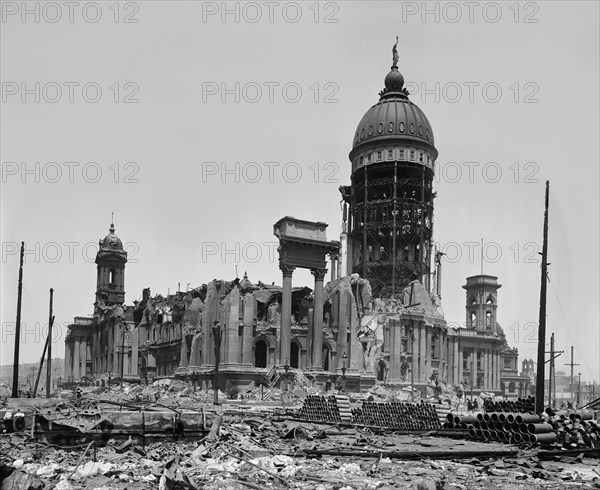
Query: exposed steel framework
[(391, 224)]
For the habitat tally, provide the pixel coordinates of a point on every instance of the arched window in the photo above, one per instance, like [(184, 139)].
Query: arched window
[(490, 300), (511, 387), (112, 276), (295, 355), (488, 319), (260, 354), (473, 319)]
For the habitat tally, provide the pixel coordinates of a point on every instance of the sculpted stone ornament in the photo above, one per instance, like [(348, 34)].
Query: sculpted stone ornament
[(395, 54), (319, 274), (287, 269), (274, 313)]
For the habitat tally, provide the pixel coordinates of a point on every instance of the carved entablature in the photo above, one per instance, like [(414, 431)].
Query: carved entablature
[(303, 244)]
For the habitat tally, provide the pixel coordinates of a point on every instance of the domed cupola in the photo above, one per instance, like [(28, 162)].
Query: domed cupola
[(111, 241), (393, 123)]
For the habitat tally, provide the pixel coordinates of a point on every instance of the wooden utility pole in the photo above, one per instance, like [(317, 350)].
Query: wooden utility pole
[(539, 388), (572, 379), (551, 370), (37, 378), (552, 375), (46, 347), (15, 386), (49, 363)]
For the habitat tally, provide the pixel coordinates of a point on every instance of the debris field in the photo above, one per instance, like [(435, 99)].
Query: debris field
[(159, 437)]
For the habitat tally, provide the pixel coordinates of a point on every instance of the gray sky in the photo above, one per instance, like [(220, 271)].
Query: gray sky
[(511, 91)]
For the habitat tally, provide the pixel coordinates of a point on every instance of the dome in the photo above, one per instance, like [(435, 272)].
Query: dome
[(394, 117), (111, 241)]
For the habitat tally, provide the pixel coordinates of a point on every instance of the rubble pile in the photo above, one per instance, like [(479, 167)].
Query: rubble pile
[(118, 440), (269, 451)]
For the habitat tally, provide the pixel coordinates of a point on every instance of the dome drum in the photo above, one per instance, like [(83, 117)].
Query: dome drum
[(406, 155)]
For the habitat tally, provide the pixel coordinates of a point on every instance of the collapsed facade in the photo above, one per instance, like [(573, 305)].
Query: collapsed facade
[(378, 319)]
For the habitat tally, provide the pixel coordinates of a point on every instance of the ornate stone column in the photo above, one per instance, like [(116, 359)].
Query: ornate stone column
[(334, 265), (498, 368), (460, 363), (395, 350), (231, 345), (135, 349), (473, 368), (83, 357), (414, 333), (422, 351), (76, 359), (455, 378), (428, 356), (248, 329), (68, 359), (486, 373), (317, 328), (285, 331)]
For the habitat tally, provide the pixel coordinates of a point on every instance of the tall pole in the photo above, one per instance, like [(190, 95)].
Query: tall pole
[(551, 373), (572, 379), (579, 389), (49, 363), (539, 388), (37, 379), (15, 386)]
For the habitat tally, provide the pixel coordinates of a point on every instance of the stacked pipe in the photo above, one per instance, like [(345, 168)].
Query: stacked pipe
[(442, 412), (511, 428), (343, 404), (397, 415), (320, 409), (521, 405), (575, 429)]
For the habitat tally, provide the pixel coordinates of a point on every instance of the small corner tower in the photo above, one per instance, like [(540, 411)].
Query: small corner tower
[(111, 260), (482, 303)]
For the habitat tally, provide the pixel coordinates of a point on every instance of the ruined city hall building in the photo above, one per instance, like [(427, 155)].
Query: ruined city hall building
[(373, 314)]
